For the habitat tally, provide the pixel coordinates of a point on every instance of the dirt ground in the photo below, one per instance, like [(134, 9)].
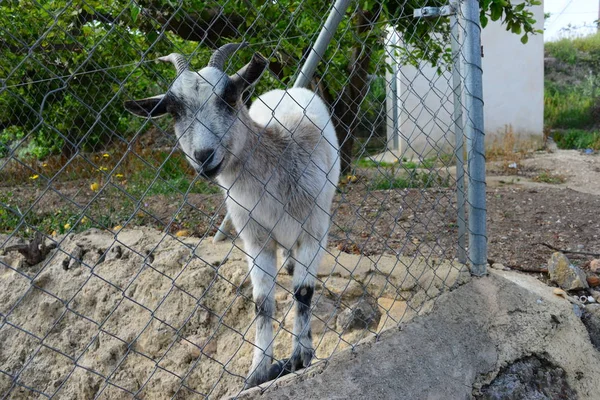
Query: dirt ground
[(523, 212), (163, 316)]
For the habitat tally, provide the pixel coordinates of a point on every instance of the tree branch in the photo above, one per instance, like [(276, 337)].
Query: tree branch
[(585, 253)]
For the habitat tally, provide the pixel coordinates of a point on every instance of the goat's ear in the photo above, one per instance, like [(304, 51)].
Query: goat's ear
[(250, 73), (153, 107)]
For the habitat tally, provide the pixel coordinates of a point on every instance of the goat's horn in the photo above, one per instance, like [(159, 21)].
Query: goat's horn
[(223, 53), (177, 60)]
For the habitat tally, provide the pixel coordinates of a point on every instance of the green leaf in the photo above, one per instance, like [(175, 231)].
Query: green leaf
[(135, 11), (524, 39), (484, 21), (496, 11)]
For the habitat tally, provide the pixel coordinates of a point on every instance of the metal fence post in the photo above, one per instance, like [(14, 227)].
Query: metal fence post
[(458, 135), (475, 138), (316, 52)]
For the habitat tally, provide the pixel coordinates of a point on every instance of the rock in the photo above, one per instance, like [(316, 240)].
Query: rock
[(559, 292), (593, 281), (394, 310), (362, 315), (198, 345), (595, 265), (114, 253), (529, 378), (343, 288), (565, 274), (596, 295), (498, 266), (591, 320), (74, 259)]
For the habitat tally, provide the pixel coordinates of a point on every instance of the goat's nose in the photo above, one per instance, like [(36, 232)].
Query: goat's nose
[(204, 157)]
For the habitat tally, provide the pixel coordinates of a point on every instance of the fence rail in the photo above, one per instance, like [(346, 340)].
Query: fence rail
[(125, 273)]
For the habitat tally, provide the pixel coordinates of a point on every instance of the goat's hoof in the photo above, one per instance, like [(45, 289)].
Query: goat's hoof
[(255, 379), (280, 368), (301, 359)]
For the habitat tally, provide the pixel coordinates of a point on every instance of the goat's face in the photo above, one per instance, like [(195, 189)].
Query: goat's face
[(205, 107)]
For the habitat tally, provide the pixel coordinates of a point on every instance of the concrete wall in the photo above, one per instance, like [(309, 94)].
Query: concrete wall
[(513, 90)]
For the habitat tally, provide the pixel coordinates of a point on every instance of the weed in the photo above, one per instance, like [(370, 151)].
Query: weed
[(406, 164), (577, 139), (414, 180), (563, 50), (506, 146), (547, 177), (567, 108), (370, 163)]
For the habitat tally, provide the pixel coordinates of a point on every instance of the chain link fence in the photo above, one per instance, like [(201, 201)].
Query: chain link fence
[(120, 276)]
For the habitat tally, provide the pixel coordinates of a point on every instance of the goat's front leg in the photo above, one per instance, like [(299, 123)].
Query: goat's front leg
[(308, 255), (263, 271), (224, 230)]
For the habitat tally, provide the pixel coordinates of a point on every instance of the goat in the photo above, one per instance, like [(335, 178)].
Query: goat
[(278, 164)]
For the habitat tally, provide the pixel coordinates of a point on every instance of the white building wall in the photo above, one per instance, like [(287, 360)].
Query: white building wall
[(513, 92)]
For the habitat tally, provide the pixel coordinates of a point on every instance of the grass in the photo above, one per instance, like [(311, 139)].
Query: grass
[(577, 139), (567, 108), (406, 164), (414, 180), (103, 190), (570, 50), (53, 221), (508, 146), (572, 92), (370, 163), (547, 177)]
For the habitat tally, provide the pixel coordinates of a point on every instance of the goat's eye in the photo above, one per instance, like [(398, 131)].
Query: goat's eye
[(174, 110), (232, 102), (230, 95)]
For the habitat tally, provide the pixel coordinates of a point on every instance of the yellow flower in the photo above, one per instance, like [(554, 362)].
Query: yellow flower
[(44, 164), (118, 175), (103, 169), (84, 220), (34, 177), (95, 186), (351, 178), (117, 228), (106, 155), (67, 226), (182, 233)]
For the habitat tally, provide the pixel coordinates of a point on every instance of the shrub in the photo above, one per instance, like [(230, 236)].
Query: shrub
[(567, 108), (577, 139)]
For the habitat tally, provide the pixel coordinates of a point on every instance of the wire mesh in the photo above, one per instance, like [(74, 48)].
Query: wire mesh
[(111, 284)]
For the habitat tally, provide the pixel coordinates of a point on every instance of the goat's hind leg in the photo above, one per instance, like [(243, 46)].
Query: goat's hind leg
[(288, 260), (263, 272)]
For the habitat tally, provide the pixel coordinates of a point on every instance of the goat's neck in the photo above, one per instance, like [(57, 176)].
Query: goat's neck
[(254, 154)]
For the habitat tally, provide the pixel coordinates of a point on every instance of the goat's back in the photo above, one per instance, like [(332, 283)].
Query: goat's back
[(285, 109)]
